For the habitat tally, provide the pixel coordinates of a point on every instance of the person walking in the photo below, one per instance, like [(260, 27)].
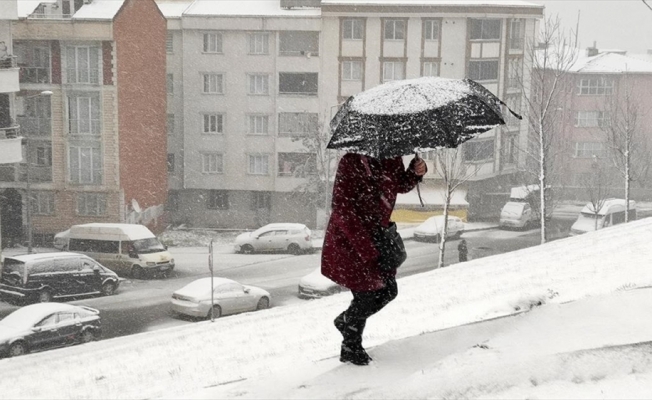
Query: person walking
[(364, 195), (462, 250)]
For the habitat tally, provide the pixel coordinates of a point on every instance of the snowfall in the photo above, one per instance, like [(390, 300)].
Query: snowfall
[(567, 319)]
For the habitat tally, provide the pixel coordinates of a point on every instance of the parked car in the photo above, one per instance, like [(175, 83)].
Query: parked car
[(229, 297), (316, 285), (45, 326), (61, 240), (432, 229), (290, 237), (611, 212), (42, 277)]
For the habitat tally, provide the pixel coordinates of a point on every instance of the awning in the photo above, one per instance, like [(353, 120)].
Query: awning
[(432, 196), (11, 151)]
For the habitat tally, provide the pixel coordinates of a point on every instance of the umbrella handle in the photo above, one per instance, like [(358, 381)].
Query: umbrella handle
[(416, 155)]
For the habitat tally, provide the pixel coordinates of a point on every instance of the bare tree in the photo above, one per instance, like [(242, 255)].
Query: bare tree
[(597, 186), (626, 144), (550, 58), (454, 172)]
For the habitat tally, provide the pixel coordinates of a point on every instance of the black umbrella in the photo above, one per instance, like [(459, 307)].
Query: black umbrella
[(401, 117)]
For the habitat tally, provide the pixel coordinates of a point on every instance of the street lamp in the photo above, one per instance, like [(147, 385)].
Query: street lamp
[(28, 189)]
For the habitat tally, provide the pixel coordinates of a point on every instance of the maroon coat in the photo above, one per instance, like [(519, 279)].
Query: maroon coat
[(349, 256)]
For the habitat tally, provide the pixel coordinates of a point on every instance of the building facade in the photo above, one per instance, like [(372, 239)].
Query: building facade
[(253, 85), (609, 92), (92, 111)]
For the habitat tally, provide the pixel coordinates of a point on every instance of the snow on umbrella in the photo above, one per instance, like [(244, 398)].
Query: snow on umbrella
[(401, 117)]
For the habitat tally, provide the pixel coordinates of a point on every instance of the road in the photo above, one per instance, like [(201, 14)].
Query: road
[(143, 305)]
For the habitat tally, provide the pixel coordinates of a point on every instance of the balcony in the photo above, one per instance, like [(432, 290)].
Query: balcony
[(18, 173), (9, 75), (9, 132)]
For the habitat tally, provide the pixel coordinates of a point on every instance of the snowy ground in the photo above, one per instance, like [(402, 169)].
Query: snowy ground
[(589, 338)]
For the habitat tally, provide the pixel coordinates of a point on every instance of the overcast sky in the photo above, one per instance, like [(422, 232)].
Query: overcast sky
[(622, 24)]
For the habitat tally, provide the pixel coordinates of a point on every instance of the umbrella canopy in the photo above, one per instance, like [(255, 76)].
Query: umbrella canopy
[(400, 117)]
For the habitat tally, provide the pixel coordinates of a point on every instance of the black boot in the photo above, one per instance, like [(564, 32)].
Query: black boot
[(357, 356), (351, 330)]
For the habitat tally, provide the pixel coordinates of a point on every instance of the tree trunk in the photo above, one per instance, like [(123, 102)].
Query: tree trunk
[(442, 241)]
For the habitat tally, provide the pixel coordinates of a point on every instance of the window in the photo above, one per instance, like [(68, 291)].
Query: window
[(298, 83), (85, 165), (261, 200), (516, 34), (83, 64), (218, 200), (212, 42), (352, 29), (213, 123), (298, 165), (298, 43), (431, 29), (483, 70), (34, 62), (213, 83), (514, 103), (258, 84), (212, 163), (393, 71), (169, 43), (91, 204), (480, 150), (44, 155), (600, 86), (485, 29), (591, 119), (257, 124), (589, 149), (42, 203), (258, 43), (514, 70), (510, 149), (171, 124), (297, 124), (430, 68), (170, 83), (259, 164), (84, 115), (170, 162), (351, 70), (36, 116), (172, 203), (394, 29)]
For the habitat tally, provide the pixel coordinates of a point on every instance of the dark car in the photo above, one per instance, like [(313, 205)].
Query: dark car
[(44, 276), (46, 326)]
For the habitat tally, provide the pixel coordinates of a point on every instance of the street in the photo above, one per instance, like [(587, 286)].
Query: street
[(143, 305)]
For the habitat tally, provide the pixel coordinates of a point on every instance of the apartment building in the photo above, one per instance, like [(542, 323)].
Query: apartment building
[(10, 144), (248, 80), (602, 83), (92, 112)]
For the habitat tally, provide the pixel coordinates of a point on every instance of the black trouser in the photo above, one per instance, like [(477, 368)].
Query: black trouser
[(363, 306)]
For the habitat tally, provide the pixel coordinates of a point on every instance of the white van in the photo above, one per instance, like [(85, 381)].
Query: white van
[(611, 213), (127, 249), (518, 212)]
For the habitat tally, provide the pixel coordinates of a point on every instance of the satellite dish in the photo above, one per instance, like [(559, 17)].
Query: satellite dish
[(135, 205)]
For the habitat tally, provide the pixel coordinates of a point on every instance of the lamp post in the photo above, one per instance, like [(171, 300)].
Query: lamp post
[(28, 188)]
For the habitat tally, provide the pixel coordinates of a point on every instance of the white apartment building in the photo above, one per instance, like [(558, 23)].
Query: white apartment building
[(245, 77)]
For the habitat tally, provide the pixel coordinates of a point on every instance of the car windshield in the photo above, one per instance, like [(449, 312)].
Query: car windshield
[(149, 245)]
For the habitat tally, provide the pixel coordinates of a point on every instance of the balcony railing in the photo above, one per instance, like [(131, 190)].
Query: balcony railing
[(7, 62), (18, 173), (9, 132)]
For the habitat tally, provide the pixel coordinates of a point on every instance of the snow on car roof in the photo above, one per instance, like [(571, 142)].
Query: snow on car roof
[(31, 314)]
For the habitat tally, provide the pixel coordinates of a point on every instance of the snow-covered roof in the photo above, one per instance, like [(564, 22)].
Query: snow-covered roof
[(502, 3), (99, 10), (27, 7), (247, 8), (611, 63), (173, 9)]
